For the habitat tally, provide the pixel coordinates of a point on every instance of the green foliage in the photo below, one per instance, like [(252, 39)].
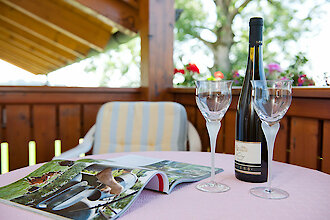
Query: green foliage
[(284, 24), (296, 73), (117, 62), (192, 19)]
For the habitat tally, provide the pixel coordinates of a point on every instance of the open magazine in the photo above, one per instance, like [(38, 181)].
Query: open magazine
[(97, 189)]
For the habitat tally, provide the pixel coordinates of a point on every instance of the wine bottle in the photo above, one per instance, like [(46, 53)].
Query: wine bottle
[(250, 143)]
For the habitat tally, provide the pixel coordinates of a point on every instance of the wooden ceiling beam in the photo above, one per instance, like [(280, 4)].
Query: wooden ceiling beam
[(21, 63), (17, 41), (49, 48), (42, 31), (116, 13), (22, 54), (61, 19), (133, 3)]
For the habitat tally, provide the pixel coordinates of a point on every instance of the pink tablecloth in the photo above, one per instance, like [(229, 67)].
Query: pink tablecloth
[(309, 194)]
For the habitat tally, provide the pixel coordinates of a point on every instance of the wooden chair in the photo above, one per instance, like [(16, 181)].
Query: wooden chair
[(138, 126)]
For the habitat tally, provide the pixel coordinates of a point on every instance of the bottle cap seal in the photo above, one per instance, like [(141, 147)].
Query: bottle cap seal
[(256, 21), (255, 34)]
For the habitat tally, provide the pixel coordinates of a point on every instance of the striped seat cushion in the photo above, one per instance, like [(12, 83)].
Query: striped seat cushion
[(140, 126)]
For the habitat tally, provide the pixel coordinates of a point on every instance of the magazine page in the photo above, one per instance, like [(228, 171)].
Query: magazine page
[(176, 172), (83, 189)]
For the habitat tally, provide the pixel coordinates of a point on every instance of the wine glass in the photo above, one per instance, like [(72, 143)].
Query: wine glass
[(271, 100), (213, 99)]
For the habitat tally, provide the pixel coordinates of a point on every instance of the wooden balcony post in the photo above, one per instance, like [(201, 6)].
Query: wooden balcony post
[(156, 32)]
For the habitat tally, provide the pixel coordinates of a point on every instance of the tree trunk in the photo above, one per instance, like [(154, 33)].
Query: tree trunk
[(221, 59), (221, 48)]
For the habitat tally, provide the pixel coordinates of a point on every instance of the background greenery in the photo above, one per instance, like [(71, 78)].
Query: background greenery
[(218, 30)]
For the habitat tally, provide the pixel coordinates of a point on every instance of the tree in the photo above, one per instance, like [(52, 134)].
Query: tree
[(283, 23), (121, 63)]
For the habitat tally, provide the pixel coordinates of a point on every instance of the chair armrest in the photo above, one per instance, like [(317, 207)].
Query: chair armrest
[(81, 148), (195, 143)]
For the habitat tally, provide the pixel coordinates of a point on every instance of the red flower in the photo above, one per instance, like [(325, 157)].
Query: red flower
[(301, 81), (193, 68), (178, 71), (219, 74)]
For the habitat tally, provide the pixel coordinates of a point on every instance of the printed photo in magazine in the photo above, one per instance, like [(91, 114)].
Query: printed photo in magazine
[(96, 189)]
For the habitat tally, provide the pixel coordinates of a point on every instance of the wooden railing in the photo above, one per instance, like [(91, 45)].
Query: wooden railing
[(46, 114), (304, 136)]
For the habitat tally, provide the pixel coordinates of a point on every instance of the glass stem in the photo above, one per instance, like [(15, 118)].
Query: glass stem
[(213, 128), (270, 134)]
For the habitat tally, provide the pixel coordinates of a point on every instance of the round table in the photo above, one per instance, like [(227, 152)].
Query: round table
[(309, 194)]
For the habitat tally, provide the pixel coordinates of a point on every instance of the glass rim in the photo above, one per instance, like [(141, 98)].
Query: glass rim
[(222, 80), (271, 80)]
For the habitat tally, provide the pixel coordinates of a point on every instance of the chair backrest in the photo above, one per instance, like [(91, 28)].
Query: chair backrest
[(140, 126)]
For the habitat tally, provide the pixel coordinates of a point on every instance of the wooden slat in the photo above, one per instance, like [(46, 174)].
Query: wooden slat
[(191, 114), (281, 142), (18, 135), (61, 52), (60, 18), (69, 126), (21, 63), (44, 124), (27, 55), (20, 42), (115, 13), (220, 145), (68, 95), (316, 108), (325, 167), (42, 31), (201, 128), (2, 135), (133, 3), (304, 137), (229, 128), (89, 118), (311, 92), (24, 55)]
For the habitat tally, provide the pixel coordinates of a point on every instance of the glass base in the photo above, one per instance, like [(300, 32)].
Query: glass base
[(269, 193), (213, 187)]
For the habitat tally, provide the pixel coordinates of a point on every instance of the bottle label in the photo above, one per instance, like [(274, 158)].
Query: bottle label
[(248, 157)]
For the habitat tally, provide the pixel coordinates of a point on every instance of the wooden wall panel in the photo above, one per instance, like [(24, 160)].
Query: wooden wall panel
[(89, 116), (69, 126), (201, 128), (191, 114), (44, 124), (18, 135), (2, 135), (1, 131), (281, 142), (57, 113), (302, 135), (325, 166), (229, 128), (304, 142), (220, 139)]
